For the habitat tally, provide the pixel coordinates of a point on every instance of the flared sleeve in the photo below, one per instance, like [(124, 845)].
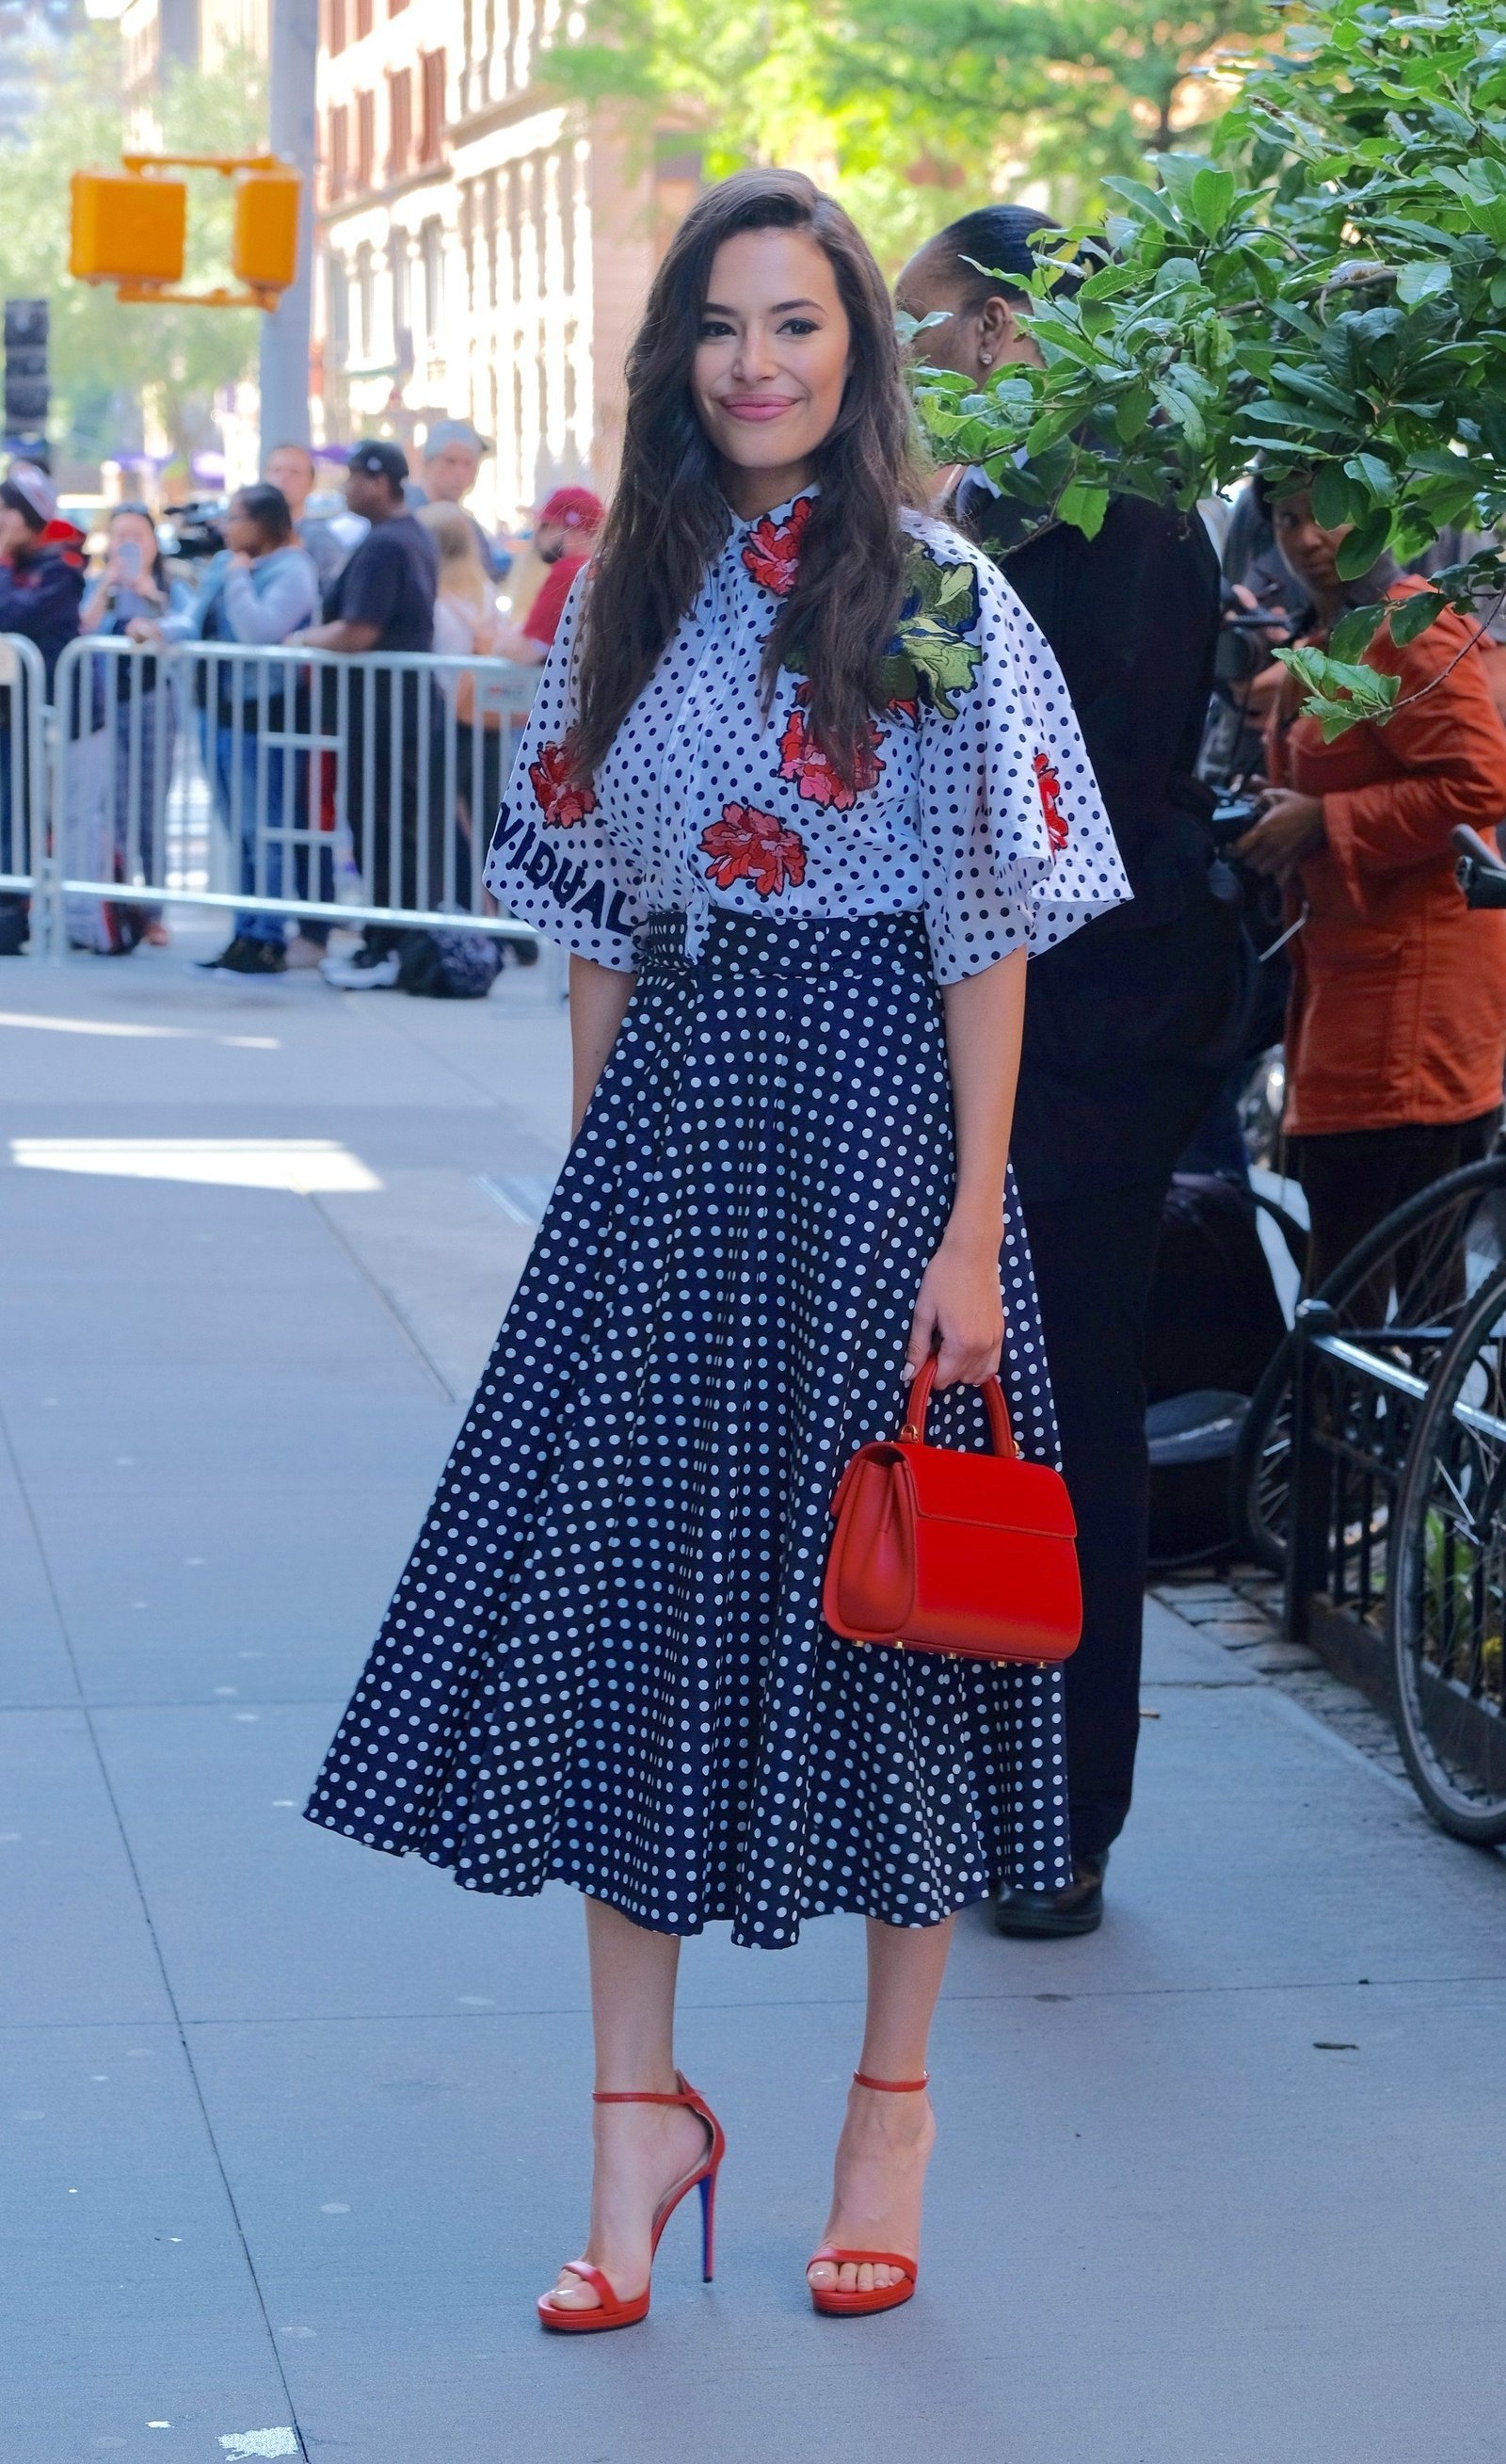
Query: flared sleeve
[(1017, 848), (554, 863)]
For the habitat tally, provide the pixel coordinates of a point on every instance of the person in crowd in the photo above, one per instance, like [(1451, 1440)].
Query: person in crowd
[(454, 452), (41, 589), (292, 469), (383, 600), (1128, 1027), (1396, 1027), (467, 626), (137, 699), (564, 537), (260, 588), (798, 884)]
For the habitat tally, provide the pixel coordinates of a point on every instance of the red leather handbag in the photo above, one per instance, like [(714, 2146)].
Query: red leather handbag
[(940, 1550)]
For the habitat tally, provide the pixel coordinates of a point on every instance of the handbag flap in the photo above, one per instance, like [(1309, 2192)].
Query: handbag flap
[(998, 1491)]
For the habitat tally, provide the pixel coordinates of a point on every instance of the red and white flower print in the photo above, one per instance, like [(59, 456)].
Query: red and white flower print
[(748, 846), (772, 550), (1049, 783), (562, 800), (805, 764)]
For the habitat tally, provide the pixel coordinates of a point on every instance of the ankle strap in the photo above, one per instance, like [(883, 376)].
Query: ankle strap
[(893, 2087), (685, 2094)]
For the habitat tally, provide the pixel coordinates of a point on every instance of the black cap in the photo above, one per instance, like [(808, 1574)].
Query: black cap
[(383, 459)]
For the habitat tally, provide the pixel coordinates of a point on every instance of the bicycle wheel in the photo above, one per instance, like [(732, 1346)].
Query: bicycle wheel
[(1446, 1599), (1401, 1289)]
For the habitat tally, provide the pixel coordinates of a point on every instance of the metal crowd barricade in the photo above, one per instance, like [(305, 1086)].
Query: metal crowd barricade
[(23, 778), (272, 781)]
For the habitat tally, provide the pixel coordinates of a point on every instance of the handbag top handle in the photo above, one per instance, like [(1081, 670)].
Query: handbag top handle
[(913, 1433)]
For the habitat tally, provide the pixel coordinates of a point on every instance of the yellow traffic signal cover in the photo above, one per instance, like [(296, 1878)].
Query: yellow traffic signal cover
[(128, 226), (265, 248)]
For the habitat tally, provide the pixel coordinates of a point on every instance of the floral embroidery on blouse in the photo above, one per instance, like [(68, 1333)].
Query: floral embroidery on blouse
[(1050, 786), (711, 801), (748, 846), (562, 801), (930, 657), (772, 549), (802, 761)]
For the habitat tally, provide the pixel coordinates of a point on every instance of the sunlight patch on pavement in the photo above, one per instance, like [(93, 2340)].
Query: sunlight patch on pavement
[(310, 1167), (122, 1027), (241, 2443)]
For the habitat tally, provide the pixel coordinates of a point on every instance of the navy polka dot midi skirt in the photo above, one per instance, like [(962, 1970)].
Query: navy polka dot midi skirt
[(605, 1662)]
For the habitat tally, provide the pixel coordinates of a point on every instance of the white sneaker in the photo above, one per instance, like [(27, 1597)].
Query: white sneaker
[(362, 972)]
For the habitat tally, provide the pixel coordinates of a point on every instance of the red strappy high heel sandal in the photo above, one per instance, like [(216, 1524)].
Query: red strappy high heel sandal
[(882, 2297), (613, 2313)]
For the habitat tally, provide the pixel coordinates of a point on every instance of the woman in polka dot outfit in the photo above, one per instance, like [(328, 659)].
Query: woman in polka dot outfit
[(801, 790)]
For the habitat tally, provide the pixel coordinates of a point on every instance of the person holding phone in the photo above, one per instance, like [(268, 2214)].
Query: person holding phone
[(137, 701)]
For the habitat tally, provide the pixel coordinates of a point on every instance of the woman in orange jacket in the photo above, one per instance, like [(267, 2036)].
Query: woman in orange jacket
[(1396, 1031)]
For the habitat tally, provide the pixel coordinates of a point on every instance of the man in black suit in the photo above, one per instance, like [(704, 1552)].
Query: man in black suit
[(1129, 1025)]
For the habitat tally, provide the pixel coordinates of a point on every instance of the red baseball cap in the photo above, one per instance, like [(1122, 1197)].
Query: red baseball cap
[(574, 509)]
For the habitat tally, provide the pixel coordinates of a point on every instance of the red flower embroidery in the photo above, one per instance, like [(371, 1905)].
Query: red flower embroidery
[(748, 846), (1050, 786), (561, 799), (901, 708), (802, 761), (771, 549)]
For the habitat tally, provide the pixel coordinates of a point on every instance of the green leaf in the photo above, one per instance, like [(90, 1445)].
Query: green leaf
[(1414, 615), (1377, 479), (1353, 634), (1331, 496), (1425, 278), (1131, 412), (1213, 197), (1364, 544), (1083, 505)]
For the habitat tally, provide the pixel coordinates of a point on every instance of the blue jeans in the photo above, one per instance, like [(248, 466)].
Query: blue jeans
[(269, 772)]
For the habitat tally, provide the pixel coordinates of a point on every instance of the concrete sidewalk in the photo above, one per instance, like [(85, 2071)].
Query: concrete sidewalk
[(294, 2133)]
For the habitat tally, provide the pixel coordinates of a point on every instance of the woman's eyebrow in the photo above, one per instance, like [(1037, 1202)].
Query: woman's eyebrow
[(781, 308)]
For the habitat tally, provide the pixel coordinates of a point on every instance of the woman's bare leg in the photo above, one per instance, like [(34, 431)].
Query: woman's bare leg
[(642, 2151), (880, 2173)]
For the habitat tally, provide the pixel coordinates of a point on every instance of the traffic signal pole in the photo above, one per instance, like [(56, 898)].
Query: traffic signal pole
[(285, 333)]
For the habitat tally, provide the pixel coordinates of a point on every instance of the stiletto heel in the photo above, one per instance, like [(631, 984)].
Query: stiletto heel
[(837, 2304), (611, 2312)]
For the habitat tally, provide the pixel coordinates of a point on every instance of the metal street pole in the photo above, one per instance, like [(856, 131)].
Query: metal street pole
[(285, 333)]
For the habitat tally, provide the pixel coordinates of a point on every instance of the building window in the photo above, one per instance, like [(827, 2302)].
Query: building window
[(333, 25), (567, 220), (365, 301), (514, 226), (431, 106), (363, 19), (489, 225), (399, 123), (431, 246), (402, 303), (365, 139), (336, 284), (338, 166)]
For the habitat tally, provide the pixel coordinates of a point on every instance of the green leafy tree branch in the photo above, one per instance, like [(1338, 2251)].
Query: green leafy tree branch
[(1326, 293)]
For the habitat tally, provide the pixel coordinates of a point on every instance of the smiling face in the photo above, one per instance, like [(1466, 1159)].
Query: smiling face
[(133, 541), (770, 364)]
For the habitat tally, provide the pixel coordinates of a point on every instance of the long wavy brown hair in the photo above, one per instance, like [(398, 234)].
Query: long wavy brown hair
[(669, 517)]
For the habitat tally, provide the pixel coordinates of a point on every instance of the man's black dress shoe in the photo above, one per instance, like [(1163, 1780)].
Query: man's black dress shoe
[(1039, 1915)]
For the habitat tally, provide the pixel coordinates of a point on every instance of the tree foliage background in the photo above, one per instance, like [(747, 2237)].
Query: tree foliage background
[(912, 110), (106, 357)]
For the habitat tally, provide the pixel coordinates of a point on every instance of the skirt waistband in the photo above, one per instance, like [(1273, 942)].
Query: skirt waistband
[(806, 945)]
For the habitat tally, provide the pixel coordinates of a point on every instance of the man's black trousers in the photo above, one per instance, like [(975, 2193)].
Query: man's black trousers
[(1094, 1252)]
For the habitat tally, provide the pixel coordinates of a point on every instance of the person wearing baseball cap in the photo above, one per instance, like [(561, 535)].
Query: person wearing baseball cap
[(383, 600), (41, 588), (454, 452), (564, 535)]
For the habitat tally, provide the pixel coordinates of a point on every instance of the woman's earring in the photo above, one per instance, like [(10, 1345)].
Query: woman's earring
[(985, 359)]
